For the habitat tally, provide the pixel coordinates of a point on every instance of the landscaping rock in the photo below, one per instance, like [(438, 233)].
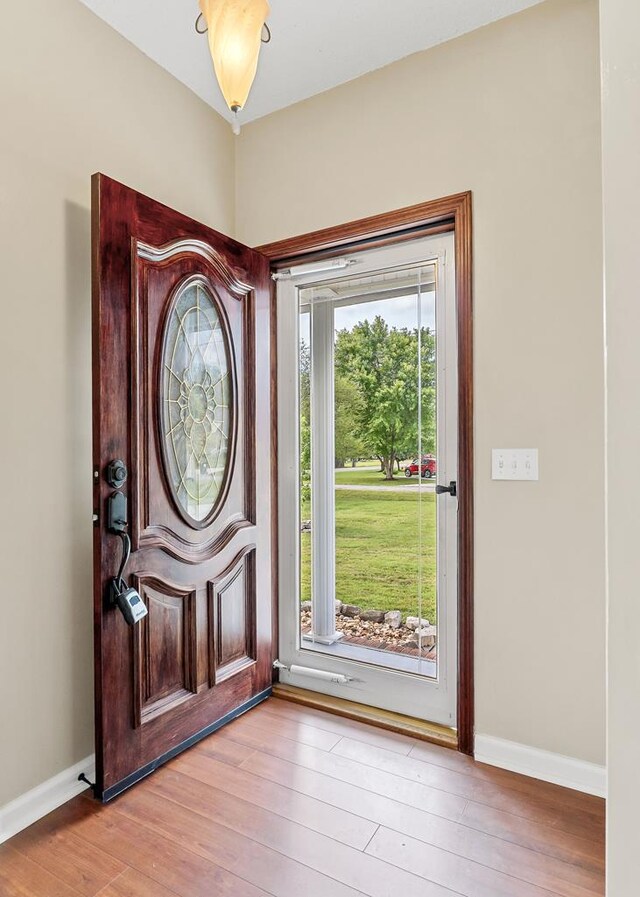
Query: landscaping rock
[(382, 636), (426, 636), (351, 610), (338, 606), (393, 618), (373, 616), (416, 622), (305, 526)]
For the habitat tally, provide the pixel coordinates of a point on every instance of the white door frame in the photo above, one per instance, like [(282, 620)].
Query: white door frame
[(395, 690)]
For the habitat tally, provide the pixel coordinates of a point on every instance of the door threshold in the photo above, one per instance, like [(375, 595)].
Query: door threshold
[(374, 716)]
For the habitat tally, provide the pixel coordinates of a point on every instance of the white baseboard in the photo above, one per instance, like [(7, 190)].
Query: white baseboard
[(539, 764), (34, 804)]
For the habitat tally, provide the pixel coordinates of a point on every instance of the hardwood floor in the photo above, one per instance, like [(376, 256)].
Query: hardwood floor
[(289, 801)]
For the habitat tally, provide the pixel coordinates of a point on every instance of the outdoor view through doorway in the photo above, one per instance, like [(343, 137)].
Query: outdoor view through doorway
[(384, 421)]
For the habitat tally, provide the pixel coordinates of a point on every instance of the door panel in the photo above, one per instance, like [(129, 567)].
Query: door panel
[(182, 394), (233, 613), (164, 648)]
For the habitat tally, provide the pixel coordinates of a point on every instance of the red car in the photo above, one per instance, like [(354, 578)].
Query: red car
[(428, 468)]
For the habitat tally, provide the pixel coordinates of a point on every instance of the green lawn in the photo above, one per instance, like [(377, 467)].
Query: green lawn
[(372, 478), (377, 551), (372, 462)]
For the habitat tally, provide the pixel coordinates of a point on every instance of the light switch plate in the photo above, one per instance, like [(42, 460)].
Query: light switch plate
[(514, 464)]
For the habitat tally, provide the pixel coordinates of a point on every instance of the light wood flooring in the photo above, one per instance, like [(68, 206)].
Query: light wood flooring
[(293, 802)]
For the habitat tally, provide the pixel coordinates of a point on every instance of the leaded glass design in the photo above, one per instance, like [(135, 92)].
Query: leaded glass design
[(196, 396)]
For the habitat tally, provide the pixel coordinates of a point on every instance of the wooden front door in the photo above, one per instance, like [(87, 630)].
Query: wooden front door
[(182, 396)]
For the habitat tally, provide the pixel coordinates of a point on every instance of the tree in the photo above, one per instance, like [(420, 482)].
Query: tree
[(347, 411), (381, 362)]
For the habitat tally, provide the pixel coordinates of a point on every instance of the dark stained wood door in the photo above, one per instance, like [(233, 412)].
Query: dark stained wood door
[(182, 395)]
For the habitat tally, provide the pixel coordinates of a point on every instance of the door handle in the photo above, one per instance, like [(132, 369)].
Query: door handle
[(117, 513), (120, 594), (452, 489)]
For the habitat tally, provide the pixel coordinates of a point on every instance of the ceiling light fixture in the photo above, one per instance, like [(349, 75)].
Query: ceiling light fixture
[(235, 32)]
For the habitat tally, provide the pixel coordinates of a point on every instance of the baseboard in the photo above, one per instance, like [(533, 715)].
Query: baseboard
[(544, 765), (34, 804)]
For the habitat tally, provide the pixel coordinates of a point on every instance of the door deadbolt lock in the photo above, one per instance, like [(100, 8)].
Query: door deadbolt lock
[(117, 474)]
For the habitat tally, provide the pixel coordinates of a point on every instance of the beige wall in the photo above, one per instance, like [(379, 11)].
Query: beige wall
[(511, 112), (74, 98), (620, 23)]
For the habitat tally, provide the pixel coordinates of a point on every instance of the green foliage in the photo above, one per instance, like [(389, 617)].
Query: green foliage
[(381, 362), (348, 407), (358, 477)]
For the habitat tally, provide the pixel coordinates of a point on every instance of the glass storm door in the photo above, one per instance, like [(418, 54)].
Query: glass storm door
[(182, 369), (368, 515)]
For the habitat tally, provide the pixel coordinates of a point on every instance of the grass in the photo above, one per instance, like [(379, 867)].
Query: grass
[(377, 551), (373, 478)]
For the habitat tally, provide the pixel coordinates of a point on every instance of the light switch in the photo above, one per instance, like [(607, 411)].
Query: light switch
[(514, 464)]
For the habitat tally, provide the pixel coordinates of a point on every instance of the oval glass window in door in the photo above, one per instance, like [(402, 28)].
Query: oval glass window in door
[(196, 401)]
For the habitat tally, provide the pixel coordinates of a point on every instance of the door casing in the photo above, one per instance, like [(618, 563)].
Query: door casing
[(448, 214)]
